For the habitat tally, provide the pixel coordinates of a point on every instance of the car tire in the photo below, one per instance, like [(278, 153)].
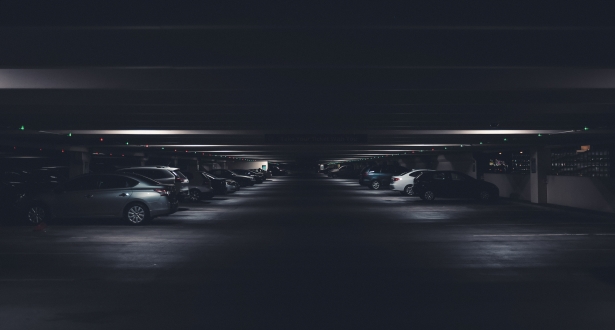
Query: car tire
[(194, 195), (136, 214), (375, 185), (428, 195), (36, 214), (407, 191)]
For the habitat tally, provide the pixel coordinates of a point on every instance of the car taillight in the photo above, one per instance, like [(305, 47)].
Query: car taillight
[(396, 179), (162, 192), (178, 179)]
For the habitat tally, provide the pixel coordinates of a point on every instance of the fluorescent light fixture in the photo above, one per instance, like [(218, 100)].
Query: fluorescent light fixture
[(258, 132)]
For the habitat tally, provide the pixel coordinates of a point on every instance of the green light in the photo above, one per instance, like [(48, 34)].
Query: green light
[(505, 139), (445, 148), (70, 134), (586, 128), (126, 143), (539, 134), (22, 128), (481, 143), (162, 148)]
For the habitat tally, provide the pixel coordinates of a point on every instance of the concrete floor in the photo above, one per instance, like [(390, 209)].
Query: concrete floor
[(309, 252)]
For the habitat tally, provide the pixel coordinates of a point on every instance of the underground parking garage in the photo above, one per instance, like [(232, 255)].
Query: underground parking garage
[(235, 168)]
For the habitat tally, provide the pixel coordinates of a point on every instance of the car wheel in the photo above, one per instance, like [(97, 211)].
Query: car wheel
[(136, 214), (407, 191), (375, 184), (194, 195), (428, 195), (36, 214)]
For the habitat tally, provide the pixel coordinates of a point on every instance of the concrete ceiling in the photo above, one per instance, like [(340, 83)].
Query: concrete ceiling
[(239, 81)]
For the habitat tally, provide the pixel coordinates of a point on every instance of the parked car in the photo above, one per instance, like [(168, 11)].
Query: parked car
[(379, 176), (232, 186), (221, 186), (275, 170), (199, 187), (134, 198), (17, 186), (430, 185), (266, 174), (257, 176), (165, 175), (344, 171), (404, 182), (241, 179)]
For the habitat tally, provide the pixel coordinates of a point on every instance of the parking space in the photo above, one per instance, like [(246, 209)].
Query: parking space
[(306, 251)]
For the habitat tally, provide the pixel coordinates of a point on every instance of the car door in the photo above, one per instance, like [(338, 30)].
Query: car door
[(111, 196), (74, 199), (441, 184), (461, 185)]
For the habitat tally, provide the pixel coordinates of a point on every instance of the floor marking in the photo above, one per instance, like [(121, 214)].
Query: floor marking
[(524, 235)]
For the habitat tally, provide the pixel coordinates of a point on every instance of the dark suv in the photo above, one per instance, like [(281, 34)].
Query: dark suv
[(430, 185), (379, 176)]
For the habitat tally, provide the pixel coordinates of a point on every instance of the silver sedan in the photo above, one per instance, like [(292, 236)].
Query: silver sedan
[(134, 198)]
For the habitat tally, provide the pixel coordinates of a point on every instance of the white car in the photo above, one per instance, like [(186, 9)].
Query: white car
[(404, 182)]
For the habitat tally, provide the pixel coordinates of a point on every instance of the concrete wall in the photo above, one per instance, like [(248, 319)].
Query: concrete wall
[(463, 162), (573, 191), (582, 192), (241, 165), (516, 186)]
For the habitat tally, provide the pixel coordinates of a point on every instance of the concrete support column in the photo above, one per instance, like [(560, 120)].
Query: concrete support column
[(79, 163), (540, 163)]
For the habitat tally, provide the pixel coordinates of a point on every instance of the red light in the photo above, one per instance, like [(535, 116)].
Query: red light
[(101, 139), (396, 179), (162, 192), (62, 150), (40, 149), (122, 155)]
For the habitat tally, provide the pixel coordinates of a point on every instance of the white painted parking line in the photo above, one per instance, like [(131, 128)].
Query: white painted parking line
[(526, 235)]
